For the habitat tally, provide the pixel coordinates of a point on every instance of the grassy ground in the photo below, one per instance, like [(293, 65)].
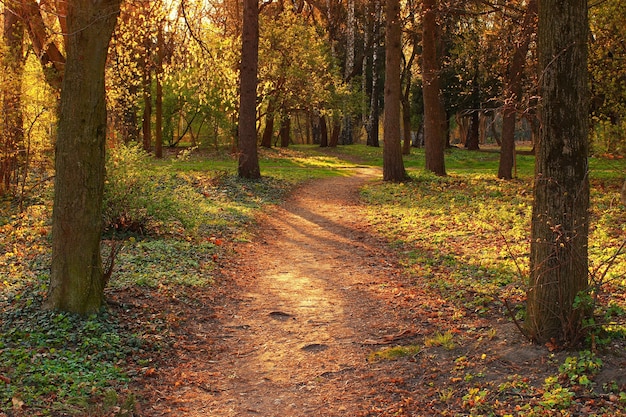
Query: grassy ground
[(465, 235)]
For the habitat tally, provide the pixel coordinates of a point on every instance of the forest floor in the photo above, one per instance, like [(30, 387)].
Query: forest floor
[(308, 318)]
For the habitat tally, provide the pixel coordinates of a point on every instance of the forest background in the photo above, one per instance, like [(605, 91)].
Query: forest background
[(172, 88)]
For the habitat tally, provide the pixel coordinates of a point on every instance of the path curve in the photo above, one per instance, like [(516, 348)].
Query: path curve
[(296, 338)]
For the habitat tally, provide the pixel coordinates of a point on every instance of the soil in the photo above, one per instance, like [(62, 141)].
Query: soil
[(292, 326)]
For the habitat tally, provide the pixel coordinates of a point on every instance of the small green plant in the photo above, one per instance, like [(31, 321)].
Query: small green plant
[(445, 340), (555, 395), (393, 353), (446, 395), (476, 400), (578, 370)]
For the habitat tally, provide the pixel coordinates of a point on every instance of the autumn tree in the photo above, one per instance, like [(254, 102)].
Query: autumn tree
[(77, 279), (560, 219), (248, 78), (393, 165), (11, 127), (297, 74)]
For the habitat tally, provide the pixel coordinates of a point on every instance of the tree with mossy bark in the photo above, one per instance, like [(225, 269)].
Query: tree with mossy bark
[(77, 278)]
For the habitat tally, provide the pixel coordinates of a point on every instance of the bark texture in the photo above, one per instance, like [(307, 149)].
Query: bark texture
[(560, 221), (76, 280), (248, 152), (434, 140), (393, 165)]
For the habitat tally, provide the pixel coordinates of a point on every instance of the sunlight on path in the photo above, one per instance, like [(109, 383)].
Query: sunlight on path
[(295, 338)]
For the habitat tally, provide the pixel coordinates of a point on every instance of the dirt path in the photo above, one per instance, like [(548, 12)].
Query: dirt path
[(289, 329), (295, 338)]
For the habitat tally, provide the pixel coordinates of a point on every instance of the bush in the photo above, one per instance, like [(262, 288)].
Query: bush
[(139, 197)]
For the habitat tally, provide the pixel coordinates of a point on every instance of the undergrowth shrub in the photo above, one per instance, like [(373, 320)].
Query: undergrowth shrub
[(139, 196)]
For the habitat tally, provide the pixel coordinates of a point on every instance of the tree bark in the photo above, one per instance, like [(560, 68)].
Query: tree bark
[(373, 119), (12, 129), (434, 140), (268, 132), (472, 142), (406, 100), (347, 133), (285, 131), (514, 92), (393, 165), (76, 279), (158, 75), (248, 79), (406, 126), (560, 219), (333, 141), (147, 107), (323, 132)]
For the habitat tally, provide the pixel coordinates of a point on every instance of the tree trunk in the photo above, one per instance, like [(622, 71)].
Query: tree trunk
[(407, 81), (373, 118), (434, 140), (158, 123), (323, 132), (334, 134), (406, 125), (248, 79), (12, 128), (473, 133), (268, 132), (514, 92), (76, 279), (285, 131), (347, 133), (393, 165), (560, 220), (147, 107)]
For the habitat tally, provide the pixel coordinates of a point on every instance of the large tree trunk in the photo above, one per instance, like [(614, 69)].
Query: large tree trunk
[(514, 93), (76, 280), (434, 140), (248, 79), (393, 165), (12, 129), (560, 220)]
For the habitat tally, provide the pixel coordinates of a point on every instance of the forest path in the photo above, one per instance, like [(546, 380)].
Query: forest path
[(304, 314)]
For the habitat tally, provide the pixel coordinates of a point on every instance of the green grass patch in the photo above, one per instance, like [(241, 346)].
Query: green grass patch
[(394, 353)]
